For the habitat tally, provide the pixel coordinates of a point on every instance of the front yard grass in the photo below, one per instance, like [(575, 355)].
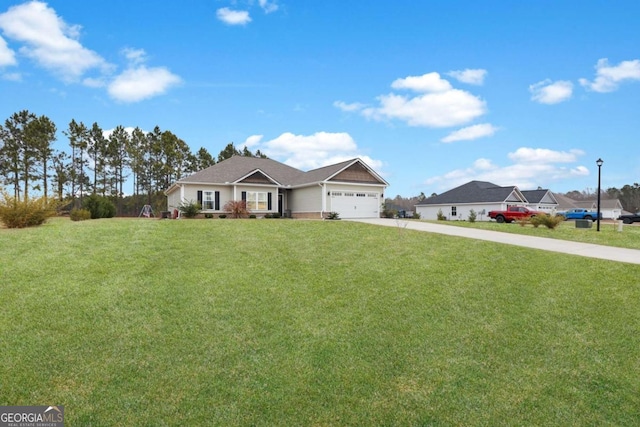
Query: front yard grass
[(608, 234), (279, 322)]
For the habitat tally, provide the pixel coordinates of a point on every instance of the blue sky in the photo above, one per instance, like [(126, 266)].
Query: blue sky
[(431, 94)]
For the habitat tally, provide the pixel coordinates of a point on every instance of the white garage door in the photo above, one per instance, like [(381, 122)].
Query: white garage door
[(355, 205)]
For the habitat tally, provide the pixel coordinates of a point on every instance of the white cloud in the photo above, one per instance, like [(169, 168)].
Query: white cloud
[(233, 17), (14, 77), (430, 82), (311, 151), (7, 56), (530, 168), (472, 77), (444, 109), (544, 155), (49, 41), (137, 84), (471, 132), (608, 77), (438, 104), (356, 106), (267, 6), (548, 92), (134, 56)]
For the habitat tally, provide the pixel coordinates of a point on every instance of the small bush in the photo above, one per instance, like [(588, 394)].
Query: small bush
[(276, 215), (268, 215), (79, 215), (548, 221), (333, 215), (236, 208), (252, 216), (208, 215), (222, 216), (472, 216), (189, 209), (416, 215), (25, 213), (440, 215), (100, 207)]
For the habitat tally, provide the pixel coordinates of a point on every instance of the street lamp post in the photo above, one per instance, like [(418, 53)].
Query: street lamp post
[(599, 162)]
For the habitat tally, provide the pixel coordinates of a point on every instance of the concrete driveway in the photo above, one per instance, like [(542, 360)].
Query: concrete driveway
[(610, 253)]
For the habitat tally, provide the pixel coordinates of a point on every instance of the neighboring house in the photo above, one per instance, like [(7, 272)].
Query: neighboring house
[(610, 208), (350, 188), (482, 197), (541, 200)]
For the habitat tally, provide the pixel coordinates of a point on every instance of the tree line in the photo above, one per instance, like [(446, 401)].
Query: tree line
[(96, 163)]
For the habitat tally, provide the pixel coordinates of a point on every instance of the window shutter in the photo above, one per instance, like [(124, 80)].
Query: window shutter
[(217, 206), (244, 196), (268, 201), (200, 197)]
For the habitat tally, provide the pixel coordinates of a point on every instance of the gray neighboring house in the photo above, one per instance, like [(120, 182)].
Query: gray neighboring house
[(610, 208), (482, 197), (350, 188)]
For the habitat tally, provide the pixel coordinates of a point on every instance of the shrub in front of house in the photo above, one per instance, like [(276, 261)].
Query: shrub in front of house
[(208, 215), (333, 215), (222, 216), (189, 209), (236, 208), (472, 216), (276, 215), (16, 213), (440, 215), (79, 214)]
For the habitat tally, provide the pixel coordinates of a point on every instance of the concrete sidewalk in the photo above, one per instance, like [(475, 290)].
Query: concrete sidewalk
[(563, 246)]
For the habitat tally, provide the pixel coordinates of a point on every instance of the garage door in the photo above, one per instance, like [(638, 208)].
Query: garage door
[(355, 205)]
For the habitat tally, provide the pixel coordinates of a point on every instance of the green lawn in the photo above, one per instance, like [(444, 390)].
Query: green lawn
[(608, 235), (278, 322)]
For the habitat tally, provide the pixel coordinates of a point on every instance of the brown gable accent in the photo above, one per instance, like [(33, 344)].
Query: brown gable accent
[(355, 173), (256, 178)]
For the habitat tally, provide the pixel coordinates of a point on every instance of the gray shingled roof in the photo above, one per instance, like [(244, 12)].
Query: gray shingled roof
[(534, 196), (471, 192), (237, 167)]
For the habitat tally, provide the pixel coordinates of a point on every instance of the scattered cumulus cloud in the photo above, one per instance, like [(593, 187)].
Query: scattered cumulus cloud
[(436, 104), (548, 92), (430, 82), (349, 108), (233, 17), (267, 6), (471, 132), (608, 77), (543, 155), (54, 45), (308, 152), (136, 84), (49, 41), (530, 168), (7, 56), (469, 76)]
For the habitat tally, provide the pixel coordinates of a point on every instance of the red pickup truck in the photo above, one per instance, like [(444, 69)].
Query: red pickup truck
[(513, 213)]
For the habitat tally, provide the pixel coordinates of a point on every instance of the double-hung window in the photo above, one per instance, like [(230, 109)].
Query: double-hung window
[(208, 200), (256, 201)]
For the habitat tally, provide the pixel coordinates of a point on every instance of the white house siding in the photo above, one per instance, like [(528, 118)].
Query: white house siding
[(306, 200), (227, 194), (462, 211)]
